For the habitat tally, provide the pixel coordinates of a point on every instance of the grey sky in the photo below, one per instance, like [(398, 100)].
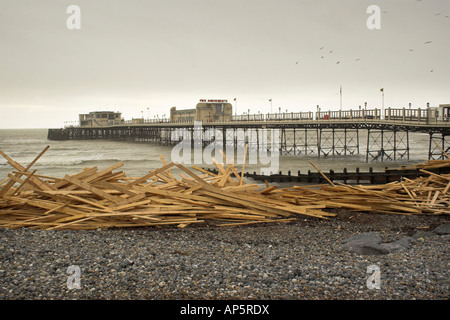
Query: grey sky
[(132, 55)]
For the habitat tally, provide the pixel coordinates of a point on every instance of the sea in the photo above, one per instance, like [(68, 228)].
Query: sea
[(70, 157)]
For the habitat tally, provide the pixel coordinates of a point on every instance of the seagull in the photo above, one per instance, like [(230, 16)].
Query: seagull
[(321, 57), (357, 59), (431, 70), (321, 48), (296, 62), (411, 50), (438, 14), (331, 51), (337, 62), (427, 42)]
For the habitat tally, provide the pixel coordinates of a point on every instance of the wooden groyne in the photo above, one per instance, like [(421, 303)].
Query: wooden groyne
[(346, 176)]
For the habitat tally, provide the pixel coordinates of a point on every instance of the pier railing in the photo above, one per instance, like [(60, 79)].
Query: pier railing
[(389, 115)]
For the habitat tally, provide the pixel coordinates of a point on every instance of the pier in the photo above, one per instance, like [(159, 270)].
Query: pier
[(321, 133)]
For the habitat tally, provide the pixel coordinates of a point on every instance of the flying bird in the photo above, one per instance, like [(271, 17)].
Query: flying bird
[(337, 62), (427, 42), (357, 59), (431, 70), (411, 50), (321, 48)]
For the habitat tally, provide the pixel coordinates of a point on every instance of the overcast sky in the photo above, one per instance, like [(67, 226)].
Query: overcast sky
[(130, 55)]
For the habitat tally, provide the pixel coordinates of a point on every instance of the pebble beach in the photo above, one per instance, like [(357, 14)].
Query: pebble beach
[(302, 260)]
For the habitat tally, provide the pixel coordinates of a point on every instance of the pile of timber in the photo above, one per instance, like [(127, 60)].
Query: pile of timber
[(107, 198), (428, 195)]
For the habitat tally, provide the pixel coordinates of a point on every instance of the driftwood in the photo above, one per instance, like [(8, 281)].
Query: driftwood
[(94, 199)]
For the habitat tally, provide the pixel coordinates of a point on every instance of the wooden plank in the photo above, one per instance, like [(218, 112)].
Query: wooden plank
[(80, 175), (24, 182), (34, 180), (98, 175), (321, 173), (441, 176), (268, 190), (247, 187), (409, 193), (246, 204), (224, 178), (243, 165), (190, 173), (230, 164), (68, 192), (114, 186), (204, 171), (223, 171), (47, 205), (131, 200), (163, 161), (151, 174), (446, 188), (94, 190), (435, 197), (63, 225), (171, 194), (254, 222), (92, 203), (130, 205), (442, 150)]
